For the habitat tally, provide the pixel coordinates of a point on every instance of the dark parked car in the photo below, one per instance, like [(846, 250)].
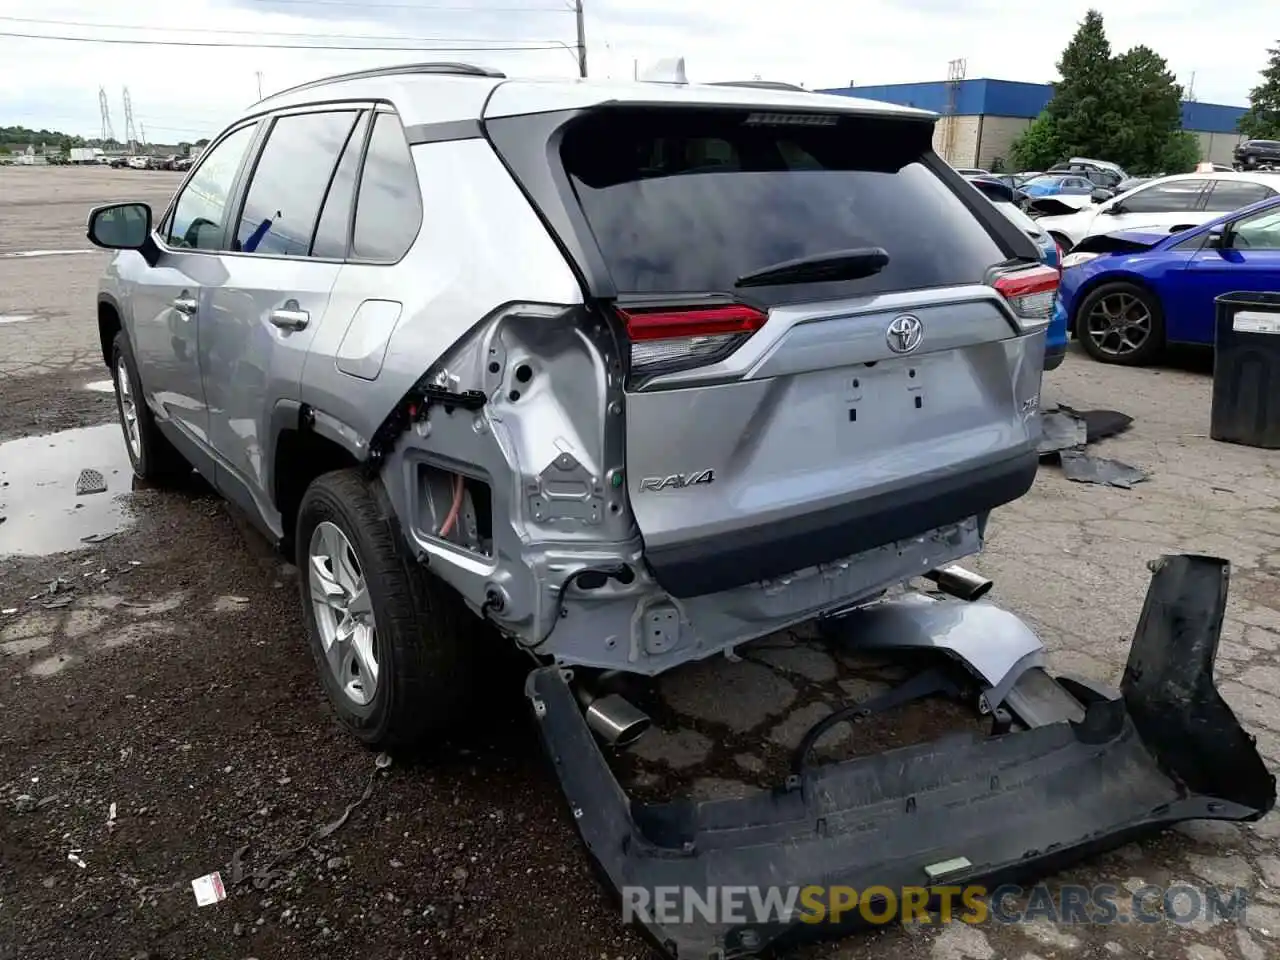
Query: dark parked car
[(1252, 154)]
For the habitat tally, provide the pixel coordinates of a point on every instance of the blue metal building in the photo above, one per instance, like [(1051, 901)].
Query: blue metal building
[(989, 114)]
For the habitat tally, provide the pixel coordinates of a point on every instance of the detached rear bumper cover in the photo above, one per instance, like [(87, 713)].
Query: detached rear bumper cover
[(1164, 748)]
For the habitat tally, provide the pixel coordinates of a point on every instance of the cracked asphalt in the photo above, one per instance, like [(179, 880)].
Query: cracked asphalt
[(162, 719)]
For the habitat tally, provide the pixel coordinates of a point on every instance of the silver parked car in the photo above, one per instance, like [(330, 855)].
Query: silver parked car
[(632, 374)]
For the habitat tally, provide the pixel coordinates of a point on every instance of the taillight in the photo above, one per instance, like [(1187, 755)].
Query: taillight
[(1030, 294), (667, 339)]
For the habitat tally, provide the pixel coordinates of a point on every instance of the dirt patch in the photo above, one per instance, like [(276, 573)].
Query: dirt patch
[(48, 404)]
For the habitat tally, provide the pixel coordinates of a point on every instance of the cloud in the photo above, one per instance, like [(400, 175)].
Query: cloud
[(181, 93)]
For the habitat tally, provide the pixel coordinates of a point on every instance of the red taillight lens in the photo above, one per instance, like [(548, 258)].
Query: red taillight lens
[(1031, 294), (667, 339)]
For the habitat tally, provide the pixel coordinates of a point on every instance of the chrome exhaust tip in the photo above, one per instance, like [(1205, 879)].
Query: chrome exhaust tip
[(616, 720), (960, 583)]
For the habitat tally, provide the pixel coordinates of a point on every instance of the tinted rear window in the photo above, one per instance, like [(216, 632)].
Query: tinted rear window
[(688, 201)]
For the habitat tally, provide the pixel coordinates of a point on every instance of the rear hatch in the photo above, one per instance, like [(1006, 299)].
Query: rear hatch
[(834, 341)]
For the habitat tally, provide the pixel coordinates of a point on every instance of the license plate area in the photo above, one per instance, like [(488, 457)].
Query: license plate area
[(886, 388)]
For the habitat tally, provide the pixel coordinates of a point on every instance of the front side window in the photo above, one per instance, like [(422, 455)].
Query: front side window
[(388, 206), (200, 215), (1258, 231), (286, 192), (1176, 196)]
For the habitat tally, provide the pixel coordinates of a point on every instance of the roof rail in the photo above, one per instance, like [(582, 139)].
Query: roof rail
[(760, 84), (450, 69)]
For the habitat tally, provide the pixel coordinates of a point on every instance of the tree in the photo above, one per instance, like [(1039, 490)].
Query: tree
[(1037, 147), (1125, 108), (1150, 107), (1262, 120)]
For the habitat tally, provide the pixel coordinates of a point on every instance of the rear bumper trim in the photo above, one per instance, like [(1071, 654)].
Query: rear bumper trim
[(724, 561), (1163, 748)]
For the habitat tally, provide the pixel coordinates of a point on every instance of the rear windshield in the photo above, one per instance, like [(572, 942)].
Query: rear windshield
[(687, 201)]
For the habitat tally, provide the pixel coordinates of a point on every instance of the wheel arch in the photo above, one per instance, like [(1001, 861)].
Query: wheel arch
[(1104, 279), (110, 322), (301, 453)]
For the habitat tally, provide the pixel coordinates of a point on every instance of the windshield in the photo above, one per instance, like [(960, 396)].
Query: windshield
[(1044, 182)]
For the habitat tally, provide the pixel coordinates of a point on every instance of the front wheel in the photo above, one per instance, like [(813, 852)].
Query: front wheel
[(394, 645), (1121, 323), (151, 455)]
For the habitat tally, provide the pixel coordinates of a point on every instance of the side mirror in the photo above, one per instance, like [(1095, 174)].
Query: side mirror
[(1218, 239), (120, 226), (1101, 194)]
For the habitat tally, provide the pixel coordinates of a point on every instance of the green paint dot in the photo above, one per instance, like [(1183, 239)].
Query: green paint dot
[(617, 479)]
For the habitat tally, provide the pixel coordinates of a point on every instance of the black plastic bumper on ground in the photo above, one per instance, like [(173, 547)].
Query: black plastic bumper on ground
[(1165, 748)]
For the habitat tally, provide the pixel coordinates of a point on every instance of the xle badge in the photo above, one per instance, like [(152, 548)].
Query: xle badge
[(677, 481)]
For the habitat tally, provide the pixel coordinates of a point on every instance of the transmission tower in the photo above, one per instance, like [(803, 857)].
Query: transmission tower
[(130, 131), (955, 76), (107, 132)]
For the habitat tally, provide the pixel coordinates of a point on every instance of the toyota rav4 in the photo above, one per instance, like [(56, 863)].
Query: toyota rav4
[(632, 374)]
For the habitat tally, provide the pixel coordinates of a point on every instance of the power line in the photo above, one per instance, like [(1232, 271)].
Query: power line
[(261, 33), (419, 48), (445, 8)]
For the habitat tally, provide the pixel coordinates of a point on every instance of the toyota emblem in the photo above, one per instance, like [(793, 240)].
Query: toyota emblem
[(905, 333)]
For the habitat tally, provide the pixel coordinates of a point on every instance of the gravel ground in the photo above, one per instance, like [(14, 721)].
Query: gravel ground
[(163, 720)]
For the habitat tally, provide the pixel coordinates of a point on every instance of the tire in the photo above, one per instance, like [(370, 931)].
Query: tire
[(424, 640), (152, 456), (1107, 348)]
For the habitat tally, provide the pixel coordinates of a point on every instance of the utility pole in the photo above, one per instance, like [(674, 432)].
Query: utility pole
[(582, 39), (258, 74)]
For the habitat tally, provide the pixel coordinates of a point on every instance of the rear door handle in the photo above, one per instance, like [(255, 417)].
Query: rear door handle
[(186, 305), (290, 319)]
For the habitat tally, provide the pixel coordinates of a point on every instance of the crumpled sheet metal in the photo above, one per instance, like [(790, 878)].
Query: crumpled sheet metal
[(1065, 433)]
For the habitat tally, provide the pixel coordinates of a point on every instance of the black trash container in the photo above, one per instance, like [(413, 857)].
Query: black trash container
[(1246, 370)]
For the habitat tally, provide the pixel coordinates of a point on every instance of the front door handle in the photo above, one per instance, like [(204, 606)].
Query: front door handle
[(186, 305), (290, 318)]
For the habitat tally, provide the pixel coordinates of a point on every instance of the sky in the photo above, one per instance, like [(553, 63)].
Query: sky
[(183, 92)]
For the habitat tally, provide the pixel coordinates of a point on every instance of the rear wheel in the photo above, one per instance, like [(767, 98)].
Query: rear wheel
[(152, 456), (1121, 323), (395, 647)]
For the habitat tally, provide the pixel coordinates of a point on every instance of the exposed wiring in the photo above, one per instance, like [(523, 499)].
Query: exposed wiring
[(452, 516)]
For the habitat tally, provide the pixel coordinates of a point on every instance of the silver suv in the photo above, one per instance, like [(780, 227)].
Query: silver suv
[(636, 373)]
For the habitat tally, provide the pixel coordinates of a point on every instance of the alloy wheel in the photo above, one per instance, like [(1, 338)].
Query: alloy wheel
[(1119, 324), (128, 409), (344, 615)]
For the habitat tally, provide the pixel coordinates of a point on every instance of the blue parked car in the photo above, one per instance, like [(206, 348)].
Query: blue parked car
[(1003, 197), (1051, 185), (1128, 294)]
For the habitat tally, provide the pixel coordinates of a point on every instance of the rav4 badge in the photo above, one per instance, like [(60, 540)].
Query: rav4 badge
[(678, 481)]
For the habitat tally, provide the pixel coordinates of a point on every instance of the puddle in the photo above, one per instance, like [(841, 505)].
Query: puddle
[(38, 489), (101, 386)]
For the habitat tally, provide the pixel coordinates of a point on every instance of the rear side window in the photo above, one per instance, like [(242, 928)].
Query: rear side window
[(389, 207), (688, 201), (1177, 196), (333, 230), (1234, 194), (288, 186)]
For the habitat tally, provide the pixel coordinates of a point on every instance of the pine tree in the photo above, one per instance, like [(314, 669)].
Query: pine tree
[(1083, 110), (1262, 120), (1151, 110)]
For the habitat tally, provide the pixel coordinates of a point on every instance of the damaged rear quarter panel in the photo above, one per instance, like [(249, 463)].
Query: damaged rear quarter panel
[(458, 272)]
